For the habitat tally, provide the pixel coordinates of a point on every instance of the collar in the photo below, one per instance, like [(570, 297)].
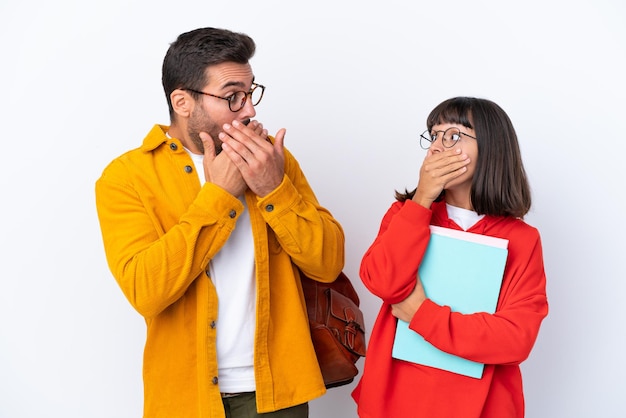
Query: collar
[(156, 137)]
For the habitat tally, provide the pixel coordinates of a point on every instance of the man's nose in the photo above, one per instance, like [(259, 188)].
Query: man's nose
[(248, 111)]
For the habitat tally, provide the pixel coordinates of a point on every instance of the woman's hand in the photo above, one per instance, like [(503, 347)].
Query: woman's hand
[(407, 308), (438, 169)]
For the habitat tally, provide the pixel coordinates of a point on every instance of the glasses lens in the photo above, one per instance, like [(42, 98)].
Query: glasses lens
[(256, 94), (237, 101), (451, 137), (425, 139)]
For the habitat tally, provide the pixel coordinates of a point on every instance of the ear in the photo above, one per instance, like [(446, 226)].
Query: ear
[(182, 103)]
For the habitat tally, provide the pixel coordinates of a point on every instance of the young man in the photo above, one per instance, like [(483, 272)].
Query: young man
[(203, 227)]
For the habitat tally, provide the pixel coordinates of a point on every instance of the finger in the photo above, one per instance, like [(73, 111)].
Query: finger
[(443, 163), (245, 134), (444, 179), (209, 146), (451, 165), (259, 129), (431, 155), (237, 136), (458, 164), (235, 149), (279, 139), (256, 126)]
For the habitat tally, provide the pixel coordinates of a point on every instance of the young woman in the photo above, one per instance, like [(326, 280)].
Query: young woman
[(471, 179)]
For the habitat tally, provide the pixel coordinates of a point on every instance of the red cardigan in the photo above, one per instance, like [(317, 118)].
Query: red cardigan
[(391, 388)]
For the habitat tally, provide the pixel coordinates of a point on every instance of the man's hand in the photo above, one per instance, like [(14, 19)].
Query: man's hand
[(261, 163), (219, 169), (257, 128), (406, 309)]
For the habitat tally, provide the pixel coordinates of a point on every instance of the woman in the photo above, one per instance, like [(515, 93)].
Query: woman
[(471, 179)]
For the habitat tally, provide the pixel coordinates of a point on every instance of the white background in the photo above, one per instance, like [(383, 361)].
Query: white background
[(352, 82)]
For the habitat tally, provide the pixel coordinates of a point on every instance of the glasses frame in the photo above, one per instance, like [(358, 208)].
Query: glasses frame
[(427, 136), (230, 98)]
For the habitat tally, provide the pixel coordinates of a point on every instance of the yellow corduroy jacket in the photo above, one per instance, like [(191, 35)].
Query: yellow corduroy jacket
[(161, 228)]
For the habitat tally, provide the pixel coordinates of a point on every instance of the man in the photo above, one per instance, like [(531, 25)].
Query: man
[(204, 227)]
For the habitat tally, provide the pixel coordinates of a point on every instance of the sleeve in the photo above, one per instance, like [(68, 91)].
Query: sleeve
[(154, 263), (389, 267), (508, 335), (308, 232)]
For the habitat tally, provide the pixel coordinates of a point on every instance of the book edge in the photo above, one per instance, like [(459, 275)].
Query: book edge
[(470, 236)]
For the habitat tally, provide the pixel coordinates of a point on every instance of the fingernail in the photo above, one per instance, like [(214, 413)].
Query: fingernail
[(226, 126)]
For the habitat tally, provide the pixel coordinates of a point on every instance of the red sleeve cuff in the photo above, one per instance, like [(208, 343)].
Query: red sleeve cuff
[(413, 212), (425, 321)]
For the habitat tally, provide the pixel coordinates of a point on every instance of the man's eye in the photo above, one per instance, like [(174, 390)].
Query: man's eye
[(237, 97)]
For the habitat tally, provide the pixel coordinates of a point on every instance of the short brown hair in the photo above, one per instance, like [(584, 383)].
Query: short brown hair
[(187, 58)]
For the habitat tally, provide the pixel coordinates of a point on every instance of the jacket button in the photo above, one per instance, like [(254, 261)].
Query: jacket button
[(173, 146), (269, 208), (213, 324), (214, 380), (188, 169), (232, 213)]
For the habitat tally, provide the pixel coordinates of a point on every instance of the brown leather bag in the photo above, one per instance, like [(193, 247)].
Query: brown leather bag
[(337, 327)]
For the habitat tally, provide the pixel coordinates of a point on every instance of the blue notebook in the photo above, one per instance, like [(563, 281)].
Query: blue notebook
[(461, 270)]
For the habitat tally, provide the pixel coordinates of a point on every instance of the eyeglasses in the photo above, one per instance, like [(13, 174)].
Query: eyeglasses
[(450, 137), (237, 100)]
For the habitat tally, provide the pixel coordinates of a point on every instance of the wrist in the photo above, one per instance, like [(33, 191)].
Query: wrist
[(422, 200)]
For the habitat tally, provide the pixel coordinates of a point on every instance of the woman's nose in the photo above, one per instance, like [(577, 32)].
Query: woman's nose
[(437, 144)]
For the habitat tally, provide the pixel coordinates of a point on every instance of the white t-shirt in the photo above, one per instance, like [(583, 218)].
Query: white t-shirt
[(232, 273), (463, 217)]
